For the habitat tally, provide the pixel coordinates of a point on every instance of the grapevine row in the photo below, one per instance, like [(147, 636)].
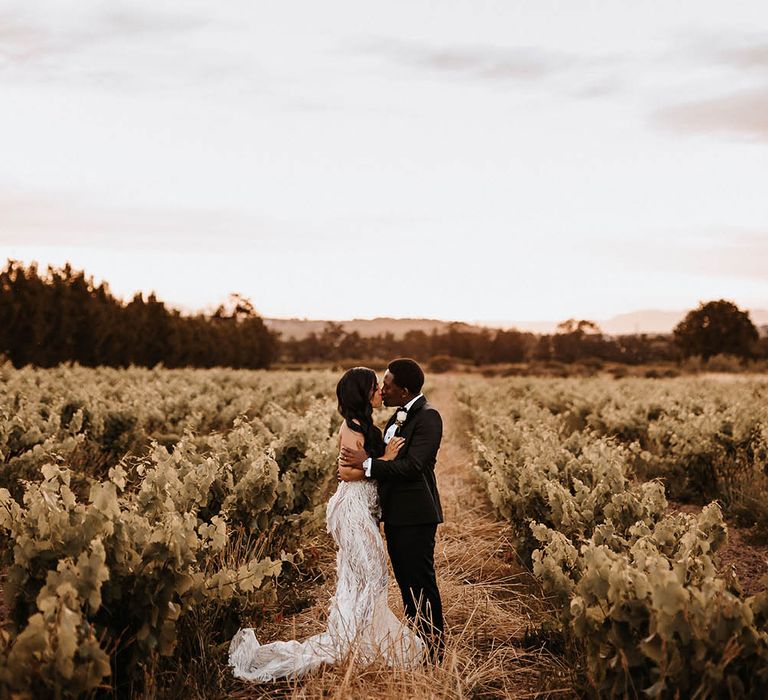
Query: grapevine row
[(103, 569), (638, 586)]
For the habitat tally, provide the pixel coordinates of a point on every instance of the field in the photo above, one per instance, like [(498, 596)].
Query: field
[(145, 514)]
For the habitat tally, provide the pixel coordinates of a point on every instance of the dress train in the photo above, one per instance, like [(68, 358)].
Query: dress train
[(359, 619)]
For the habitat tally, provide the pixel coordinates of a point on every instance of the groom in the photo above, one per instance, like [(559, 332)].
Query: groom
[(410, 503)]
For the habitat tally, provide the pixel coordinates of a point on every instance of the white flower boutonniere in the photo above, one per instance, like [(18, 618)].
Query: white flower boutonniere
[(400, 417)]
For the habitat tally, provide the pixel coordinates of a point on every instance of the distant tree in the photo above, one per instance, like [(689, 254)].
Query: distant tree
[(581, 327), (762, 346), (237, 307), (716, 327), (511, 346), (351, 346), (542, 349), (459, 342), (416, 344), (576, 339), (331, 339)]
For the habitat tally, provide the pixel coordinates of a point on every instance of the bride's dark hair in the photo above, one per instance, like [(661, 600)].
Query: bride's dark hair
[(354, 395)]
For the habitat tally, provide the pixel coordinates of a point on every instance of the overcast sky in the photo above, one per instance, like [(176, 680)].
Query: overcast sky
[(459, 160)]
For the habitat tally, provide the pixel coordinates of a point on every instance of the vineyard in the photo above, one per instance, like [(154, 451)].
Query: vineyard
[(140, 506), (582, 469), (145, 514)]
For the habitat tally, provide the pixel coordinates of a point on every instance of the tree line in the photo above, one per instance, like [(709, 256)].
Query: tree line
[(61, 315), (714, 328)]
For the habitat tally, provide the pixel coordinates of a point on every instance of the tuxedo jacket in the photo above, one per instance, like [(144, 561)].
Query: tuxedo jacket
[(407, 487)]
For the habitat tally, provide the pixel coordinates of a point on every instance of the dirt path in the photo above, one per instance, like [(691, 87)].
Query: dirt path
[(489, 602)]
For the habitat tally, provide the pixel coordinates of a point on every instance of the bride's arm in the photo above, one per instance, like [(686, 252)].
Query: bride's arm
[(355, 441)]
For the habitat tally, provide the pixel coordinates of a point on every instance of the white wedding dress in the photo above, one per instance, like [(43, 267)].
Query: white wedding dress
[(359, 621)]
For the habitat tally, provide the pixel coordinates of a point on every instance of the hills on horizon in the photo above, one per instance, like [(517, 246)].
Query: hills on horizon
[(646, 321)]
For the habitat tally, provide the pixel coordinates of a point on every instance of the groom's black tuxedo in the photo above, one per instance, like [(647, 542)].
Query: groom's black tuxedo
[(410, 507), (407, 487)]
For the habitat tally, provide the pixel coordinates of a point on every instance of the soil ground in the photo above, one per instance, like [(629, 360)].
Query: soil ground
[(744, 556)]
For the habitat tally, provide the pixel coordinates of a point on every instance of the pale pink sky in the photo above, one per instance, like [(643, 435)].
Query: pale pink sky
[(471, 160)]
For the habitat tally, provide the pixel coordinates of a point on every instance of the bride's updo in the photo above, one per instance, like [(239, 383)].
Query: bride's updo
[(354, 395)]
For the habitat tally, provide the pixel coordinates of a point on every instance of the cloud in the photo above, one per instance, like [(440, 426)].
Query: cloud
[(42, 219), (480, 62), (90, 41), (20, 42), (738, 113), (740, 51), (572, 75), (734, 255), (755, 56), (605, 87), (744, 255), (21, 30), (731, 50), (737, 61), (127, 21)]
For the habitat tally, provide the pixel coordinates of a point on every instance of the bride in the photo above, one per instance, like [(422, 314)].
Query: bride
[(359, 619)]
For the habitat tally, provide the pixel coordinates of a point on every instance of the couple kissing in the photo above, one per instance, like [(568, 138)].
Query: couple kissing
[(384, 476)]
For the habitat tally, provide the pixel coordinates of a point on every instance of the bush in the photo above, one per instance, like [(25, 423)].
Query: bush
[(594, 364), (724, 363), (693, 364), (441, 363)]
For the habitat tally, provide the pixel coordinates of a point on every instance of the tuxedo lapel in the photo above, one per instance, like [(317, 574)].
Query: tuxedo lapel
[(412, 411), (417, 406)]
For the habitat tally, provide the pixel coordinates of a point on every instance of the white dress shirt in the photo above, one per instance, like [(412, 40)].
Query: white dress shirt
[(390, 434)]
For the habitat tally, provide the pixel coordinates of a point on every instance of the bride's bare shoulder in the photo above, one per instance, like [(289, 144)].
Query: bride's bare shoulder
[(350, 437)]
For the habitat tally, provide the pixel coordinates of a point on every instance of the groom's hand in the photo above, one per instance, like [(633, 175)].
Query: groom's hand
[(351, 474), (352, 458)]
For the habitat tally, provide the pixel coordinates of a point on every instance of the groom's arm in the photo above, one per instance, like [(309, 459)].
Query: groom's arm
[(422, 449)]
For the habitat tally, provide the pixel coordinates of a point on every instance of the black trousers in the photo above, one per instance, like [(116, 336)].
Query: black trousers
[(412, 552)]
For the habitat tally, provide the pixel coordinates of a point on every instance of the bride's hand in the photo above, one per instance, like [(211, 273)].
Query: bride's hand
[(393, 447)]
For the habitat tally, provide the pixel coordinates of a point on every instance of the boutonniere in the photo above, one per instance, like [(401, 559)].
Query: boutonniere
[(400, 418)]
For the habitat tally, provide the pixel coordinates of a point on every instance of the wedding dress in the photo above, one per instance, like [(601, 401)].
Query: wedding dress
[(359, 621)]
